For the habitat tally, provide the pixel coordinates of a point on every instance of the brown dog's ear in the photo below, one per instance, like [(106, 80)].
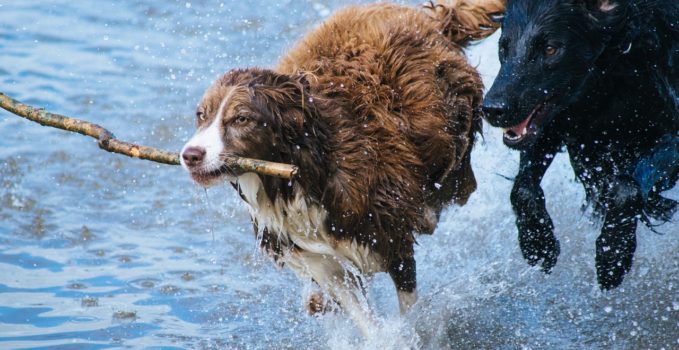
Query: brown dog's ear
[(464, 21), (286, 96), (302, 79), (289, 84)]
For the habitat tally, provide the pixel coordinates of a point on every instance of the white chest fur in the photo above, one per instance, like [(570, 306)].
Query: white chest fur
[(303, 224)]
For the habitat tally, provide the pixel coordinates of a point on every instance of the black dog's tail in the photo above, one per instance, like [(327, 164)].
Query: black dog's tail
[(464, 21)]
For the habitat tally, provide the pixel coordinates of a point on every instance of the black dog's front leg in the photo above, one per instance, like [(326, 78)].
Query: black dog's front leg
[(617, 242), (536, 231)]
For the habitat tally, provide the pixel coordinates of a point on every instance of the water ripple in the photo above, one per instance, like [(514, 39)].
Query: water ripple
[(28, 261)]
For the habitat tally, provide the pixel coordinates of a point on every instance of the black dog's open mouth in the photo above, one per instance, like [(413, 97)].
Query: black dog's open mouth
[(528, 128)]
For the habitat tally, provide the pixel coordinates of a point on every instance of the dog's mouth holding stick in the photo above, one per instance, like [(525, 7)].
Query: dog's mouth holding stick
[(108, 142)]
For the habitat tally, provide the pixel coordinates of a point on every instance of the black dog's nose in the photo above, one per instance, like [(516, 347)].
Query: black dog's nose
[(494, 112), (193, 156)]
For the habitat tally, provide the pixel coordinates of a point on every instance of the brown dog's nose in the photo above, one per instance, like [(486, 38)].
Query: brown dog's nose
[(193, 156)]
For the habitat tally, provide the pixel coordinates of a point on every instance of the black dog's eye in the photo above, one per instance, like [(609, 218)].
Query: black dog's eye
[(551, 50)]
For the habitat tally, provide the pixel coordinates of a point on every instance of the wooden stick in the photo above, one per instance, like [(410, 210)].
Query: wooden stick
[(107, 141)]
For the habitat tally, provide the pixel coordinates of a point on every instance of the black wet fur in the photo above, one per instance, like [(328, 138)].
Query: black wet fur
[(606, 73)]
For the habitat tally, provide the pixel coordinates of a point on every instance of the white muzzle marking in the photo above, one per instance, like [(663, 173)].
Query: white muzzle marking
[(210, 139)]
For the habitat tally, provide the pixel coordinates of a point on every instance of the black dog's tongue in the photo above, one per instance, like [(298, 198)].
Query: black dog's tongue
[(520, 129)]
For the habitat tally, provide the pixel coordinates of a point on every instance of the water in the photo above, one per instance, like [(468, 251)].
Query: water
[(102, 251)]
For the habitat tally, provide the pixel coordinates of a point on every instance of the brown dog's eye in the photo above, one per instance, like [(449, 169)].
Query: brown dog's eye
[(242, 119), (200, 115), (550, 50)]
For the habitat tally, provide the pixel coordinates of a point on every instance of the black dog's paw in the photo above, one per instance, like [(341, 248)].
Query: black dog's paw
[(536, 230), (538, 244), (614, 257), (617, 242)]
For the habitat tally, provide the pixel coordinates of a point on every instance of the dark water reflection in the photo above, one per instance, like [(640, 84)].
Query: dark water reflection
[(100, 251)]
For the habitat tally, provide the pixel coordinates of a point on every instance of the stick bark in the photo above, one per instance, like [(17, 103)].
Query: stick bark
[(108, 142)]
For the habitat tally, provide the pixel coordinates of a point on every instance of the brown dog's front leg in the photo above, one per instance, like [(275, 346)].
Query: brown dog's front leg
[(403, 273)]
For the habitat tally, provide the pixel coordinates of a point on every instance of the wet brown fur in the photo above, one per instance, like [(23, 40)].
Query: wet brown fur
[(378, 107)]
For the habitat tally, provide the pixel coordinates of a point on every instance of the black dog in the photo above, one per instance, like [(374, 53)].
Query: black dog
[(602, 79)]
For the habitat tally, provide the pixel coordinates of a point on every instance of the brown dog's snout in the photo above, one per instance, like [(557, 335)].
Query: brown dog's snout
[(193, 156)]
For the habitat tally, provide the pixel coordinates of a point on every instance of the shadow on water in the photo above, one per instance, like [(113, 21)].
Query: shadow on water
[(99, 251)]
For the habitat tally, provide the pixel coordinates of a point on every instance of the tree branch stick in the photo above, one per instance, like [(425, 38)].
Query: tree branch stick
[(107, 141)]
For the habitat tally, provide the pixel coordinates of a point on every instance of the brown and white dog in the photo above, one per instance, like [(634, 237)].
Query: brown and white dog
[(378, 108)]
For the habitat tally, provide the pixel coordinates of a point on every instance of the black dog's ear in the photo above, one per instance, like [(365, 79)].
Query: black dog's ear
[(600, 5)]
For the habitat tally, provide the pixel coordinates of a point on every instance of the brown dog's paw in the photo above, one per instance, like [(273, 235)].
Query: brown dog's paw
[(315, 304)]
